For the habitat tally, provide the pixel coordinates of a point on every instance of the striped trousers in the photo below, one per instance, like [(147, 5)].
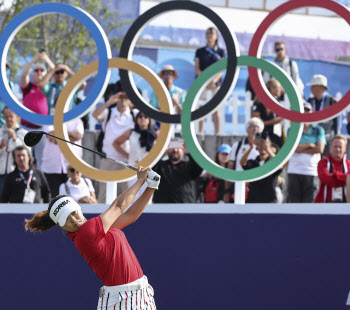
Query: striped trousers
[(139, 299)]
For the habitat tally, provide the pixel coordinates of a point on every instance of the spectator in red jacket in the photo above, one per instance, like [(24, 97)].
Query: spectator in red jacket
[(332, 172)]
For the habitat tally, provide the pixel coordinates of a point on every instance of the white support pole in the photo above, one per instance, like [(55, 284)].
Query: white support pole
[(111, 191), (239, 193)]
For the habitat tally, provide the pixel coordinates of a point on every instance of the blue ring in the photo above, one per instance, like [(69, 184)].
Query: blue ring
[(103, 48)]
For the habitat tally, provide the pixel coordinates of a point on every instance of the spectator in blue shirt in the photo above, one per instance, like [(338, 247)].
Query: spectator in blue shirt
[(302, 167)]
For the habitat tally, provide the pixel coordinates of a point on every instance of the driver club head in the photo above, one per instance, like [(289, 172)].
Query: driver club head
[(32, 138)]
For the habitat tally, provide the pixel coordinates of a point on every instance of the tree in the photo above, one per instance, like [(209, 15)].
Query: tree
[(64, 38)]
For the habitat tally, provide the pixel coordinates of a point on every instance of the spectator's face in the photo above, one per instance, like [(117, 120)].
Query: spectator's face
[(38, 73), (168, 77), (60, 76), (276, 90), (317, 90), (223, 158), (253, 128), (123, 102), (280, 50), (10, 118), (143, 121), (338, 149), (211, 36), (74, 174), (175, 154), (22, 159)]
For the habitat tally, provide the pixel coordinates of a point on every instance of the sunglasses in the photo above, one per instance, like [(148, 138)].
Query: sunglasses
[(59, 72), (72, 170), (279, 49), (168, 73), (37, 70)]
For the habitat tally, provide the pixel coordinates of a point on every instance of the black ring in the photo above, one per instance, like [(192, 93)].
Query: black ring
[(133, 34)]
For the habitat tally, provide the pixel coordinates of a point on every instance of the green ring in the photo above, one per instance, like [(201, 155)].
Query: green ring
[(195, 149)]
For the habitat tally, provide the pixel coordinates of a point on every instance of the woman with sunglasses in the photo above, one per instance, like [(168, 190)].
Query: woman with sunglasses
[(79, 188), (141, 139), (103, 245), (51, 90)]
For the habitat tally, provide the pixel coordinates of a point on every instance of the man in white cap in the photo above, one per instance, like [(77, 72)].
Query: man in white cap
[(321, 100), (302, 166)]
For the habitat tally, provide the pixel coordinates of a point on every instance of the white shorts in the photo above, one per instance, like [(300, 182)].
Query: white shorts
[(137, 295)]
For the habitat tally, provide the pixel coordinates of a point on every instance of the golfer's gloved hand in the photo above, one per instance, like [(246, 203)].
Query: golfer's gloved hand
[(153, 179)]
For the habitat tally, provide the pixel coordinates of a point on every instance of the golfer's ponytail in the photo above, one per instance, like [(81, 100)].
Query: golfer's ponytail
[(41, 221)]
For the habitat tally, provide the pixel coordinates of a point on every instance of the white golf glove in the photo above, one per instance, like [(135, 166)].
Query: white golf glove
[(150, 179)]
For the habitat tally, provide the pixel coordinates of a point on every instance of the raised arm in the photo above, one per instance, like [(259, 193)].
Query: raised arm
[(120, 140), (26, 71), (135, 210), (114, 216)]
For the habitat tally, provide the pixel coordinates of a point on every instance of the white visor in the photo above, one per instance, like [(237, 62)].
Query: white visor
[(61, 209)]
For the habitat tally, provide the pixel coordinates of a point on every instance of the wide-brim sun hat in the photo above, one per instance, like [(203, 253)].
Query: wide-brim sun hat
[(169, 68), (319, 79)]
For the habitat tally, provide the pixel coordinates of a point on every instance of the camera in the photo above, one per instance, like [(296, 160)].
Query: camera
[(261, 135), (41, 50)]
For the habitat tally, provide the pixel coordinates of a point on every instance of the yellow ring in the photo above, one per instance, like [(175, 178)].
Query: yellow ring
[(162, 140)]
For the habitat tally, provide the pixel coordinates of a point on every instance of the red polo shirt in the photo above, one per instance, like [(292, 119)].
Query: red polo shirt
[(109, 255)]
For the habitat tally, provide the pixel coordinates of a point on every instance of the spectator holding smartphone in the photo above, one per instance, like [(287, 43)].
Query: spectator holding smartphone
[(33, 98), (264, 190)]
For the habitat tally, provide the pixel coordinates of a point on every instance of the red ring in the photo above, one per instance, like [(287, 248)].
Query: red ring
[(255, 50)]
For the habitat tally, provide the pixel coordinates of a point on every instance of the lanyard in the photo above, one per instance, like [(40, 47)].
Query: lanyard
[(27, 182), (322, 103), (212, 52)]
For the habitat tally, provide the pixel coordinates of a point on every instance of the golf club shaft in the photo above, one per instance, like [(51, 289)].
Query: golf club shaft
[(96, 152)]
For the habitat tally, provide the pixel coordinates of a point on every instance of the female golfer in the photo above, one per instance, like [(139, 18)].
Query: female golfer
[(104, 246)]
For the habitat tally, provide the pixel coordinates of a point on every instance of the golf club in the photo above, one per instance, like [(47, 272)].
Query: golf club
[(32, 138)]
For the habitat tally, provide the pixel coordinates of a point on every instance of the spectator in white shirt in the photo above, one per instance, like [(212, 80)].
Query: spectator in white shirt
[(79, 188), (54, 165), (121, 119), (239, 148), (11, 136)]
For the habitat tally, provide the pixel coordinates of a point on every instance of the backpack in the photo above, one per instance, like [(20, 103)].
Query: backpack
[(101, 135), (212, 191)]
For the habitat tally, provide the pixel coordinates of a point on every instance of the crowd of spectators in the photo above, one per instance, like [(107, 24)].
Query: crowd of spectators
[(37, 174)]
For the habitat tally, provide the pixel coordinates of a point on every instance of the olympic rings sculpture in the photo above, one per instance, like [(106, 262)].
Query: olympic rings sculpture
[(126, 64)]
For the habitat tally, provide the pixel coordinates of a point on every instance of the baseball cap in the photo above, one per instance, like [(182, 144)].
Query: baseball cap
[(224, 148), (307, 105), (318, 79), (169, 68), (61, 209)]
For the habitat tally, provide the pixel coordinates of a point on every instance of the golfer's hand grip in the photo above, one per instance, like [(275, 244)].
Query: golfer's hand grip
[(153, 176)]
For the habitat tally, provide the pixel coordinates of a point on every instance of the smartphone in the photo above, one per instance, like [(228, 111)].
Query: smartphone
[(42, 50), (261, 135)]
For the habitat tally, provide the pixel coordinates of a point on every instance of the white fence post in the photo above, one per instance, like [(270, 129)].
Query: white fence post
[(111, 191), (239, 193)]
